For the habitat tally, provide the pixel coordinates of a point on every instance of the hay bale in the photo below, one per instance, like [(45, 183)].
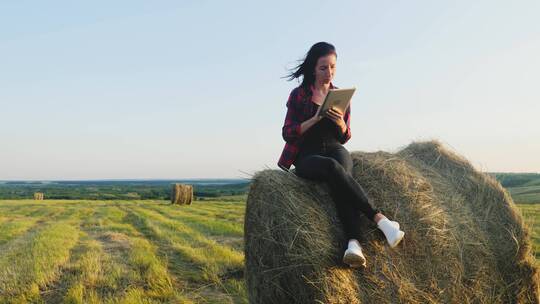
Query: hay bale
[(465, 239), (38, 196), (181, 194)]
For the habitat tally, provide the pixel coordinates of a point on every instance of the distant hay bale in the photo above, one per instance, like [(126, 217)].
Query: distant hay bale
[(465, 239), (181, 194), (38, 196)]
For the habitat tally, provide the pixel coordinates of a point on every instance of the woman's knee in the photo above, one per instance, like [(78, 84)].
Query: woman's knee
[(334, 167), (347, 164), (344, 158)]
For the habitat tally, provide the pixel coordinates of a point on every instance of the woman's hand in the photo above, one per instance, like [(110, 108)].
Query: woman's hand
[(316, 118), (337, 116), (310, 122)]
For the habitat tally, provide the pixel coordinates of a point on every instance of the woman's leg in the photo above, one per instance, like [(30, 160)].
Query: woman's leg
[(349, 190), (317, 167), (390, 228), (348, 195)]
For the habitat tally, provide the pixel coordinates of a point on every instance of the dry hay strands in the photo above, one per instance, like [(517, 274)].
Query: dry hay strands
[(464, 243), (181, 194)]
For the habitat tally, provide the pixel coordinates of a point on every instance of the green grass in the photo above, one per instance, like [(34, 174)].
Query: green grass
[(76, 251), (529, 194), (34, 259), (531, 215)]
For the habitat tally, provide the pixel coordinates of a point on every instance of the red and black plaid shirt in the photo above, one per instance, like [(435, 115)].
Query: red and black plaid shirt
[(300, 109)]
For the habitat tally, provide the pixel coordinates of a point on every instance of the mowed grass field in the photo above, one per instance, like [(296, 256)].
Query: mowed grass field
[(121, 252), (130, 251), (531, 214)]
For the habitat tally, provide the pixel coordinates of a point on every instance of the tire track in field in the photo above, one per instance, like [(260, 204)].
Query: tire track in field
[(99, 268), (33, 261), (20, 229), (188, 235), (236, 209), (230, 281), (225, 233), (150, 273), (188, 276), (183, 269), (204, 223), (55, 292), (225, 214), (17, 225)]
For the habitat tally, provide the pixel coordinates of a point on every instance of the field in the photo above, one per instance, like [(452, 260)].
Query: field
[(77, 251), (531, 214), (120, 189), (523, 187)]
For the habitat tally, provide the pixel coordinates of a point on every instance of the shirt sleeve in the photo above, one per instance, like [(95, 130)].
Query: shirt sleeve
[(347, 118), (291, 127)]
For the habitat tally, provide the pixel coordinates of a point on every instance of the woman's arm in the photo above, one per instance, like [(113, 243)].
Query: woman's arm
[(293, 128), (310, 122)]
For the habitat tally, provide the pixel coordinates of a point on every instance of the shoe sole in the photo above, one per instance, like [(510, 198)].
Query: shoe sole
[(354, 261)]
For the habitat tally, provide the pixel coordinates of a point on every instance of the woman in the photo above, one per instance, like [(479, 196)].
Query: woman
[(314, 146)]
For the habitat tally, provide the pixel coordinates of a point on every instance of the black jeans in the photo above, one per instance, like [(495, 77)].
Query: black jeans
[(332, 163)]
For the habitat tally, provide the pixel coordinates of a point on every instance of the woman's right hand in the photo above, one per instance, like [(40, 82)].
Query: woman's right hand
[(316, 117), (310, 122)]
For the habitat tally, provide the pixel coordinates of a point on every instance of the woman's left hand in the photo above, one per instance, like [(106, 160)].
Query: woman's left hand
[(337, 116)]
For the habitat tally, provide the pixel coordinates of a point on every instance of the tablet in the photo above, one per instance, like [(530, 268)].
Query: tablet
[(339, 98)]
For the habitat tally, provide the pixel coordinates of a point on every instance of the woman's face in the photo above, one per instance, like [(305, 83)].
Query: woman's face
[(325, 69)]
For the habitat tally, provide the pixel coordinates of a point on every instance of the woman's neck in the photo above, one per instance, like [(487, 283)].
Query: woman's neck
[(321, 87)]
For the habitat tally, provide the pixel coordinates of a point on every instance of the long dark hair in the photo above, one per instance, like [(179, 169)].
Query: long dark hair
[(306, 68)]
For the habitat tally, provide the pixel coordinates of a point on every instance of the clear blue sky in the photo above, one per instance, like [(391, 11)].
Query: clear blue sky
[(192, 89)]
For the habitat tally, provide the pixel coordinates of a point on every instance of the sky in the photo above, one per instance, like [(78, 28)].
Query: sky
[(195, 89)]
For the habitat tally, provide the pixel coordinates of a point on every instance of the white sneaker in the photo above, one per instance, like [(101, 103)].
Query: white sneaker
[(391, 231), (353, 255)]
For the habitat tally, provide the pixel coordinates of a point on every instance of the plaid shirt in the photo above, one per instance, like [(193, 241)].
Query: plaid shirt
[(299, 109)]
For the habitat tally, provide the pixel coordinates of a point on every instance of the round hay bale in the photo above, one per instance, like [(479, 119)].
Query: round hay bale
[(181, 194), (465, 240), (38, 196)]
